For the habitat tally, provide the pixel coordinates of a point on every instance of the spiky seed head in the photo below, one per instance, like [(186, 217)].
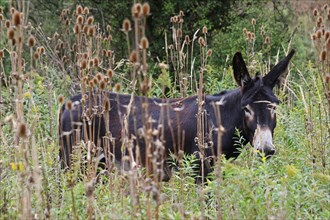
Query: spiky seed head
[(117, 87), (77, 28), (85, 29), (144, 43), (95, 81), (60, 99), (320, 19), (91, 31), (22, 130), (179, 33), (79, 10), (41, 50), (201, 41), (91, 83), (172, 19), (90, 20), (267, 40), (1, 17), (319, 34), (110, 73), (80, 19), (85, 56), (108, 28), (262, 33), (36, 55), (91, 62), (2, 54), (146, 9), (7, 24), (31, 41), (102, 84), (187, 39), (83, 64), (253, 21), (107, 105), (68, 105), (327, 78), (325, 7), (209, 52), (99, 76), (136, 10), (313, 36), (133, 56), (323, 55), (253, 36), (327, 35), (12, 10), (315, 12), (10, 33), (96, 61), (86, 10), (126, 25), (181, 14), (244, 31)]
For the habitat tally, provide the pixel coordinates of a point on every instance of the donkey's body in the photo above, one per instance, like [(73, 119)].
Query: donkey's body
[(249, 108)]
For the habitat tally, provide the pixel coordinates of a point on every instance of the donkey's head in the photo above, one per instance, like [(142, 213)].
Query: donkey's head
[(259, 103)]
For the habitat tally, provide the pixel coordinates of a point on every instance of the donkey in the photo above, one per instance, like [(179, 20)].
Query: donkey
[(250, 108)]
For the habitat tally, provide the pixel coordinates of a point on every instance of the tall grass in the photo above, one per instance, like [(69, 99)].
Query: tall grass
[(78, 57)]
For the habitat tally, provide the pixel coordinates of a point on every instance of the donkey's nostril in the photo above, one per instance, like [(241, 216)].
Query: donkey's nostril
[(270, 151)]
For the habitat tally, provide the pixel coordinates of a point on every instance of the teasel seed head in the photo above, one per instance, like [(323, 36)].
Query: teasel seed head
[(7, 24), (133, 56), (253, 21), (320, 19), (91, 31), (110, 73), (36, 55), (96, 62), (60, 99), (136, 10), (99, 76), (90, 20), (319, 34), (144, 43), (327, 35), (86, 10), (126, 25), (117, 87), (41, 50), (85, 29), (201, 41), (77, 28), (245, 31), (79, 10), (209, 52), (1, 17), (146, 9), (91, 62), (22, 130), (80, 19), (187, 39), (108, 28), (103, 84), (95, 81), (181, 13), (327, 78), (68, 105), (323, 55), (10, 33), (179, 33), (267, 40), (315, 12), (31, 41), (83, 64), (106, 105)]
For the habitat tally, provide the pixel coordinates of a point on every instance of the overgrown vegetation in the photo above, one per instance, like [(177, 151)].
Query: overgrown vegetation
[(39, 68)]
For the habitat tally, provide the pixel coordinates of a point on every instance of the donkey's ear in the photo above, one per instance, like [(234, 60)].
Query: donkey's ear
[(271, 78), (241, 73)]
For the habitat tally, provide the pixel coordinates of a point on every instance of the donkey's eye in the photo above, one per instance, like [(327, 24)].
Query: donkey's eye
[(247, 111)]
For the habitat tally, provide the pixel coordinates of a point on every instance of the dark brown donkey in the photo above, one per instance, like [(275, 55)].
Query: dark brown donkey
[(132, 125)]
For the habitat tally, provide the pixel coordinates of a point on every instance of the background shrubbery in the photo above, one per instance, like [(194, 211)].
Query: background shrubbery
[(294, 184)]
